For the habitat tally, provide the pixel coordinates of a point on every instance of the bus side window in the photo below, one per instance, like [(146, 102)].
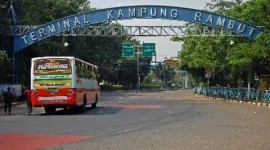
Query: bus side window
[(90, 73), (84, 71), (79, 70), (94, 73), (97, 75)]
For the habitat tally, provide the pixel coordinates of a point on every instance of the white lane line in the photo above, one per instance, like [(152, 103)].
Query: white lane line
[(170, 112), (198, 102), (127, 130), (83, 118), (158, 97), (166, 119)]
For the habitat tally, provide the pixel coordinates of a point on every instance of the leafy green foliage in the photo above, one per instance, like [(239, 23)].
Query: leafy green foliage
[(221, 5), (127, 74), (5, 64), (104, 52), (230, 62), (165, 73)]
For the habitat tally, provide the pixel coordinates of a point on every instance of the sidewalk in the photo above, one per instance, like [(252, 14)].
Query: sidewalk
[(2, 105)]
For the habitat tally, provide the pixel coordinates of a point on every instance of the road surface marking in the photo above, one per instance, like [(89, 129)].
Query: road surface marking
[(170, 112), (84, 118), (32, 141), (137, 106), (127, 130), (166, 119), (158, 97)]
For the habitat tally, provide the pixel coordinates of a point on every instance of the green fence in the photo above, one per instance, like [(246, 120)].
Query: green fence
[(234, 93)]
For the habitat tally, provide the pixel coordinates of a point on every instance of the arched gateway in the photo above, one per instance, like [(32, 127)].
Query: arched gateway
[(136, 12)]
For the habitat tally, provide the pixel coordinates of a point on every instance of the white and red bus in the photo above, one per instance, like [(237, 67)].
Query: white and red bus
[(62, 82)]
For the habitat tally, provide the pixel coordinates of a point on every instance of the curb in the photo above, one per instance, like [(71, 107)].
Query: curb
[(262, 104), (13, 104)]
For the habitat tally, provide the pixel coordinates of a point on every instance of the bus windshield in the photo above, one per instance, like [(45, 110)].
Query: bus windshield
[(52, 66)]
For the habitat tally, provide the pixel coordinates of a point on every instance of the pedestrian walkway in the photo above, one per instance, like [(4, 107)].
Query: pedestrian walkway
[(20, 109), (2, 105)]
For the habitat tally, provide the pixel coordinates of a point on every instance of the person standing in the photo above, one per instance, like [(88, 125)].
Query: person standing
[(8, 98), (2, 95), (14, 94), (28, 93)]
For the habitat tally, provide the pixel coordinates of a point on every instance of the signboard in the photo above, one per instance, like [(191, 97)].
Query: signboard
[(149, 49), (171, 62), (52, 66), (135, 12), (41, 77), (127, 49)]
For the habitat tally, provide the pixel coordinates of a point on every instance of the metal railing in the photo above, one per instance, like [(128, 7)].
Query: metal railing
[(235, 93)]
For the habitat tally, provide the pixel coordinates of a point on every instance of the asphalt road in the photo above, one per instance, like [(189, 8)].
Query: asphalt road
[(135, 121)]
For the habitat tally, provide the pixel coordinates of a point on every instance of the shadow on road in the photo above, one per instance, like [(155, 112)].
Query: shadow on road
[(101, 110)]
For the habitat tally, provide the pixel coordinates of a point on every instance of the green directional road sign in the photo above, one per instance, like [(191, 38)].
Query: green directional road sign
[(149, 49), (127, 49)]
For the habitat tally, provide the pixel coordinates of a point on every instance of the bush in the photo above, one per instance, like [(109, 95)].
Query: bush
[(150, 86), (110, 87)]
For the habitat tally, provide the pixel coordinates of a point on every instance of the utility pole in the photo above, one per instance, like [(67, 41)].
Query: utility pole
[(186, 80), (138, 67), (165, 71), (155, 67)]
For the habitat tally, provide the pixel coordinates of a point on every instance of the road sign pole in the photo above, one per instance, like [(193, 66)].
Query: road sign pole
[(138, 68), (164, 74), (155, 67)]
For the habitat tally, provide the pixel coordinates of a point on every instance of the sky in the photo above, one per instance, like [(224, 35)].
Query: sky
[(164, 47)]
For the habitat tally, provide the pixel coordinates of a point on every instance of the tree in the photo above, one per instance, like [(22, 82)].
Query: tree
[(127, 74), (165, 73), (102, 51), (150, 79), (222, 5), (231, 63), (5, 64)]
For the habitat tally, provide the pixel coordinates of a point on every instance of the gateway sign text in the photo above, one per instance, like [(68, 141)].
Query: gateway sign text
[(138, 12)]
